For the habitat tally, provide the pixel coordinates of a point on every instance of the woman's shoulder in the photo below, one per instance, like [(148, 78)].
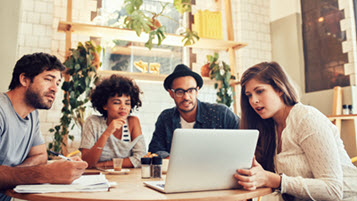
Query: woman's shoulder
[(134, 126), (133, 119), (306, 111), (95, 118), (308, 118)]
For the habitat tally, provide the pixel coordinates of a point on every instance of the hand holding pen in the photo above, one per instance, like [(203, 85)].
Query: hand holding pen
[(59, 155)]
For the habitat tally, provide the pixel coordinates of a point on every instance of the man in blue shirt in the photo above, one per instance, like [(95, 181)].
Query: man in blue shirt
[(183, 86)]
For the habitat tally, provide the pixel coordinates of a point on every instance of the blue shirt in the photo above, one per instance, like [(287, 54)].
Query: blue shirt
[(215, 116)]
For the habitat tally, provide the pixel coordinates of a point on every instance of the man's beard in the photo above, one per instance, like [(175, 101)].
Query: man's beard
[(187, 111), (34, 99)]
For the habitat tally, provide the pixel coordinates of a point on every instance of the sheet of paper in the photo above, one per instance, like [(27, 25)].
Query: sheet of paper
[(86, 183)]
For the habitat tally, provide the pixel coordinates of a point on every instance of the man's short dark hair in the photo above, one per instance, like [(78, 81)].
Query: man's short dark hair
[(32, 65)]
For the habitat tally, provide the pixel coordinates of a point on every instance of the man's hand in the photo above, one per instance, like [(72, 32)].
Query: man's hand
[(64, 172)]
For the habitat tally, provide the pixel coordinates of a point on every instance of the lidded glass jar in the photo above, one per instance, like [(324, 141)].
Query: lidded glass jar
[(145, 168), (156, 167)]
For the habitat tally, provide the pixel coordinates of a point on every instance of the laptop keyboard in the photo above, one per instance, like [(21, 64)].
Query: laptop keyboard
[(160, 185)]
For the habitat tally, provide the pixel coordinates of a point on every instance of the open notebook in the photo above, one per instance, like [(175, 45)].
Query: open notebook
[(86, 183)]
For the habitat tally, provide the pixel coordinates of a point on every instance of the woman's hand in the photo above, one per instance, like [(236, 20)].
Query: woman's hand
[(115, 125), (253, 178)]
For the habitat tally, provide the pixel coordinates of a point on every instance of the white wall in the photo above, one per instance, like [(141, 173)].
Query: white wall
[(9, 23), (282, 8)]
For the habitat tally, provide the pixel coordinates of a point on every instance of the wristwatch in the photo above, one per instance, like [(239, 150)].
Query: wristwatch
[(281, 181)]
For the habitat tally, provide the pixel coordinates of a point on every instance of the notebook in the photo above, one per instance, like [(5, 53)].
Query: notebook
[(86, 183), (207, 159)]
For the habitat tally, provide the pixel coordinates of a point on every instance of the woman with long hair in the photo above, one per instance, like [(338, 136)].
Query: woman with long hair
[(299, 150)]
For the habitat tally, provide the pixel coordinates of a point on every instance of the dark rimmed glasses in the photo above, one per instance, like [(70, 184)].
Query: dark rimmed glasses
[(181, 92)]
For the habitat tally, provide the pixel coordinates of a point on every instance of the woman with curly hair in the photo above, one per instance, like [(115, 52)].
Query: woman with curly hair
[(114, 133)]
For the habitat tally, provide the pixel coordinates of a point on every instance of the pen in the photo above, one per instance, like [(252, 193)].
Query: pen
[(73, 153), (59, 155)]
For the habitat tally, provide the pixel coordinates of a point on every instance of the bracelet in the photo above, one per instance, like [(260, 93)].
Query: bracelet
[(100, 148)]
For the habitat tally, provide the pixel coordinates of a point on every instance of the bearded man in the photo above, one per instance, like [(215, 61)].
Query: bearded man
[(23, 156)]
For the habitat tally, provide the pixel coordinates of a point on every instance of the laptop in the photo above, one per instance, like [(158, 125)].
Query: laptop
[(207, 159)]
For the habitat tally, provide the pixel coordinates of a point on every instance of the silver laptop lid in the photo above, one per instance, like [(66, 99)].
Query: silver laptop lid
[(206, 159)]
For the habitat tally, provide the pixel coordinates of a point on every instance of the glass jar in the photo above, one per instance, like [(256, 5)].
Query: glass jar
[(145, 168), (156, 167), (350, 110), (345, 110)]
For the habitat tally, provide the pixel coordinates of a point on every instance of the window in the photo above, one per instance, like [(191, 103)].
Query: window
[(322, 39), (134, 56)]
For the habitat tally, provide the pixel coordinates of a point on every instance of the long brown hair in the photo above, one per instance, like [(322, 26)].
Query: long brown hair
[(273, 74)]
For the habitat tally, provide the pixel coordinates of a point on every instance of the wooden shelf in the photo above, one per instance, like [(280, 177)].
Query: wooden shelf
[(143, 51), (342, 117), (129, 35), (146, 76)]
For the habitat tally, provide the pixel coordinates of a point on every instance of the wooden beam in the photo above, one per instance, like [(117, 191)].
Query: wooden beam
[(232, 54), (67, 54), (229, 21), (337, 106)]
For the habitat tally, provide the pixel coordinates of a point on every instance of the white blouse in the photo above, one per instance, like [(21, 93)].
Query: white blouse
[(313, 159)]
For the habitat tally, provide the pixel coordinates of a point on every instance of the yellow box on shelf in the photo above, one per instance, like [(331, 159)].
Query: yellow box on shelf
[(208, 24)]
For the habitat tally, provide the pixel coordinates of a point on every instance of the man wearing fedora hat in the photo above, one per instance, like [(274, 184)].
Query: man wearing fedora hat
[(183, 85)]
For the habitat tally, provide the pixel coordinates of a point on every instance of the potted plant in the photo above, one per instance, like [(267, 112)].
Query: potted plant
[(222, 74), (82, 67)]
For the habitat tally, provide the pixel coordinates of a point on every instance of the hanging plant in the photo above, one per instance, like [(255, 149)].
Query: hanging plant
[(222, 75), (82, 68), (147, 21)]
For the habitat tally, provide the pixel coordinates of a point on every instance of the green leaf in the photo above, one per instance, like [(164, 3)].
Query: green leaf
[(65, 86), (77, 67), (182, 5), (71, 137)]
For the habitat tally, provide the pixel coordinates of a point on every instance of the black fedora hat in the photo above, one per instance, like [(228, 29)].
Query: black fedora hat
[(182, 70)]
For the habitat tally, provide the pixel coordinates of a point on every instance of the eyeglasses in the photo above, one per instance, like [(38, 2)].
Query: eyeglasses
[(181, 92)]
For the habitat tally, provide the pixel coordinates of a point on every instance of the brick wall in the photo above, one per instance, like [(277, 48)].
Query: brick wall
[(251, 24), (349, 46)]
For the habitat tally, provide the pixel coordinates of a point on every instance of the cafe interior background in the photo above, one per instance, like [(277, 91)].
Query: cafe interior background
[(315, 41)]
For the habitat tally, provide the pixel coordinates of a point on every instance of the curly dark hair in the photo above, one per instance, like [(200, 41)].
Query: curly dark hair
[(115, 85)]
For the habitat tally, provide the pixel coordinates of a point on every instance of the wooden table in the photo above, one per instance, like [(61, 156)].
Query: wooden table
[(131, 187)]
